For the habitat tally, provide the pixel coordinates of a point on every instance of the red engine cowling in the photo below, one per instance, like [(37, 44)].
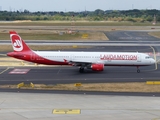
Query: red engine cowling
[(97, 67)]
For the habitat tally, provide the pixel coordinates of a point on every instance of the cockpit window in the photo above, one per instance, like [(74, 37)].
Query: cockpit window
[(147, 57)]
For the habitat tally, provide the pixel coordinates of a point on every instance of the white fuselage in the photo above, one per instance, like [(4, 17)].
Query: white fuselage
[(106, 58)]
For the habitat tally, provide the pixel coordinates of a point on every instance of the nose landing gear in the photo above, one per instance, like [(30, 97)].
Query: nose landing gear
[(138, 70)]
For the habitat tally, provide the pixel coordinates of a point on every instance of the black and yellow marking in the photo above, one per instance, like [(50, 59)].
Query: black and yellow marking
[(78, 84), (66, 111), (153, 82), (32, 85), (85, 35), (20, 85)]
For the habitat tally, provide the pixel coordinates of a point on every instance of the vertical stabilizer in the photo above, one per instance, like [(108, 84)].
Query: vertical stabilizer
[(17, 43)]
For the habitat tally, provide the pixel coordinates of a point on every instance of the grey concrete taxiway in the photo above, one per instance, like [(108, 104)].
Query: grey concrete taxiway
[(29, 106)]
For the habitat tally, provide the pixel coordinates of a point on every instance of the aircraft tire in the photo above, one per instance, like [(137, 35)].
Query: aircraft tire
[(81, 70), (138, 71)]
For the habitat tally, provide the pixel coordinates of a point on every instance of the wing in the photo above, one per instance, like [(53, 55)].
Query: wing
[(84, 63)]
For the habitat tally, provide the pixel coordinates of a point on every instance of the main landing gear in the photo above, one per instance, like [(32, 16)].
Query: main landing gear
[(138, 70), (81, 69)]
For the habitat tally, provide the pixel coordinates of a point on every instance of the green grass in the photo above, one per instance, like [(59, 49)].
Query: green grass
[(78, 23), (4, 36), (43, 36), (8, 48)]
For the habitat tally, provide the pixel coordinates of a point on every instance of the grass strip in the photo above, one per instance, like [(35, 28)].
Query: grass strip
[(54, 35), (155, 34), (8, 48), (107, 87), (76, 23)]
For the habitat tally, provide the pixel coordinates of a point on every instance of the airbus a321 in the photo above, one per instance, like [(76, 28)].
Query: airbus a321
[(85, 60)]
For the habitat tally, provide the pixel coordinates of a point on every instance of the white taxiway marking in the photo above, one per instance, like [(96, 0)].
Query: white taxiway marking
[(19, 71)]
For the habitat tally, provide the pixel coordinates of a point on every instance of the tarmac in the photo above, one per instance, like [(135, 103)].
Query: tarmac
[(54, 106), (48, 106)]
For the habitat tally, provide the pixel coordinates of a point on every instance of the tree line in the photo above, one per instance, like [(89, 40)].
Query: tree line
[(97, 15)]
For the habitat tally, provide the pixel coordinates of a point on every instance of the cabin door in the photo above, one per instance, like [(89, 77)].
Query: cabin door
[(72, 57), (138, 58)]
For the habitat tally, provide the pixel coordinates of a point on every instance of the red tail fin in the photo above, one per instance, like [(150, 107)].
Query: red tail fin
[(17, 43)]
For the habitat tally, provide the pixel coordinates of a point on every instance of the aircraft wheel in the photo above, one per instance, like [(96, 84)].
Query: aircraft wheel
[(138, 70), (81, 70)]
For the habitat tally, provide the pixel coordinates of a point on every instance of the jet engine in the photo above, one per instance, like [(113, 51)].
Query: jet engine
[(96, 67)]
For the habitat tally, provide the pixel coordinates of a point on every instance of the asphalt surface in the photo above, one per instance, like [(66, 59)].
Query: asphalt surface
[(68, 74), (22, 105), (87, 43), (136, 36), (60, 74), (151, 94), (63, 75)]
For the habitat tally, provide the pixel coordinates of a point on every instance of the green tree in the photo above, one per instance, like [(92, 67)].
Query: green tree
[(149, 18)]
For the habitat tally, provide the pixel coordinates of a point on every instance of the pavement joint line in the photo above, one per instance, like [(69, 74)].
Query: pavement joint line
[(5, 70), (83, 109), (2, 102), (58, 71)]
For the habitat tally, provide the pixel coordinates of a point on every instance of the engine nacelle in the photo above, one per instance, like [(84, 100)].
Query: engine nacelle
[(97, 67)]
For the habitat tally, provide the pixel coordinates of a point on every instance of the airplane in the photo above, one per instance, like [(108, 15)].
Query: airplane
[(85, 60)]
